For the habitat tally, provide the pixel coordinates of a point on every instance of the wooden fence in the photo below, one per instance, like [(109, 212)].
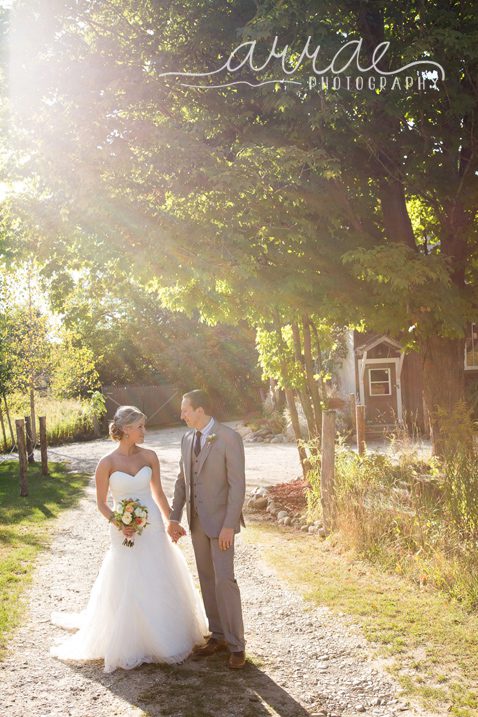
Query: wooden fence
[(161, 404)]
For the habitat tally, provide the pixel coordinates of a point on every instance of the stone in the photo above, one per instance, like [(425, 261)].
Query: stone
[(278, 439), (312, 529), (282, 514), (304, 528), (322, 532), (261, 502), (359, 708), (244, 431), (288, 521)]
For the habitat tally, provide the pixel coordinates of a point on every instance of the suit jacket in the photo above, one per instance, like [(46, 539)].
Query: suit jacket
[(216, 480)]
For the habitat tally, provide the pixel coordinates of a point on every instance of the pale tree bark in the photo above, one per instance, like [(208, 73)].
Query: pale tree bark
[(33, 411), (303, 392), (290, 398), (309, 372), (9, 420), (4, 434)]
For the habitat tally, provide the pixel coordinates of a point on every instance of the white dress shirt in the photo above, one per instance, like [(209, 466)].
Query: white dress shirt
[(204, 433)]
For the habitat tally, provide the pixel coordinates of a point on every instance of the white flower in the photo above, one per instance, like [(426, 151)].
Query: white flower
[(140, 513), (127, 518)]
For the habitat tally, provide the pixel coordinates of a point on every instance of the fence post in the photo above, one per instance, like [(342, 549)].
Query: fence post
[(43, 446), (360, 420), (327, 472), (29, 436), (22, 456), (352, 406)]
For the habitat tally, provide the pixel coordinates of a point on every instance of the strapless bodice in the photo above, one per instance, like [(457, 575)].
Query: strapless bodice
[(125, 485), (138, 487)]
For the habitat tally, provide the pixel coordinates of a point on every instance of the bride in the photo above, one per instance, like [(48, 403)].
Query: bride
[(143, 605)]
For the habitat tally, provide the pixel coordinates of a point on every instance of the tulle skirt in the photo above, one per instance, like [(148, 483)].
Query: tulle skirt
[(143, 607)]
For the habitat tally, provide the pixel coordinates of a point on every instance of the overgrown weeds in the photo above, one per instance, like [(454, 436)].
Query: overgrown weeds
[(413, 517), (67, 419)]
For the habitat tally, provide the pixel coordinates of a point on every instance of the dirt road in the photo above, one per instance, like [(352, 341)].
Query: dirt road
[(304, 660)]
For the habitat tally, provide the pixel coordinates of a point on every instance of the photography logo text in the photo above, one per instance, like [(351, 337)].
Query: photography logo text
[(347, 70)]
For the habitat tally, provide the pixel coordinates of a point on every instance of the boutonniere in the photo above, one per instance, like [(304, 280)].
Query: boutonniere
[(211, 438)]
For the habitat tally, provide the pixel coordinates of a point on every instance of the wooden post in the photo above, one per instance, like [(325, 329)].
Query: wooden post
[(327, 473), (353, 403), (22, 456), (43, 446), (360, 420), (29, 436)]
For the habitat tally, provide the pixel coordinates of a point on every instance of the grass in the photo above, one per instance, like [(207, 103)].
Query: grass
[(66, 419), (25, 530), (430, 641)]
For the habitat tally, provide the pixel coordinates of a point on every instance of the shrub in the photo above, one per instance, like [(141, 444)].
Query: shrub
[(413, 517)]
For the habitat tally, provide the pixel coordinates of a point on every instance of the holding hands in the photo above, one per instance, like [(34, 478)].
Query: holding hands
[(175, 531)]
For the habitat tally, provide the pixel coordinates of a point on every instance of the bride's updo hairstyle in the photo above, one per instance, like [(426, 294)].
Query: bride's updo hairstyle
[(124, 416)]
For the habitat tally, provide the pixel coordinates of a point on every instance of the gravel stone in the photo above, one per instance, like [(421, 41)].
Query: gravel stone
[(285, 635)]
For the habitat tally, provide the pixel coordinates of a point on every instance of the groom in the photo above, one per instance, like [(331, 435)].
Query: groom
[(211, 483)]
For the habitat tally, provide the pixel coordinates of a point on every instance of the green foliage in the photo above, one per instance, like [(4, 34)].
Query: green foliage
[(74, 373), (239, 202), (67, 419)]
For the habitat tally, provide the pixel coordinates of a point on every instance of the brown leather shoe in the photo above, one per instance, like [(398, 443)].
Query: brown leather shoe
[(212, 645), (237, 660)]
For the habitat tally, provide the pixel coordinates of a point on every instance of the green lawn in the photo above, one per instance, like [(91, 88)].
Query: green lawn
[(430, 641), (25, 526)]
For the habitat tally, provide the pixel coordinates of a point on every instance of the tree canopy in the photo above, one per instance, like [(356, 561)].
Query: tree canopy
[(257, 202)]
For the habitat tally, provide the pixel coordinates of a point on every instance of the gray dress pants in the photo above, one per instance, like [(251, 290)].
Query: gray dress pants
[(220, 591)]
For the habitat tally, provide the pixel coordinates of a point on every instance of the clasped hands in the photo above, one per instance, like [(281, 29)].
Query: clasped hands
[(175, 531), (225, 539)]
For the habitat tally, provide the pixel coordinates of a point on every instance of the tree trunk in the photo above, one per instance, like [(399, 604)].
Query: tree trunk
[(290, 398), (4, 434), (7, 413), (32, 411), (309, 372), (289, 395), (321, 387), (444, 384), (303, 392)]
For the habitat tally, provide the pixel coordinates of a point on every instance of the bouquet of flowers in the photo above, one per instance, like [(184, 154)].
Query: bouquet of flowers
[(131, 513)]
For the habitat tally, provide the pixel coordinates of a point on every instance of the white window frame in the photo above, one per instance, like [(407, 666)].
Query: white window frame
[(474, 348), (370, 382)]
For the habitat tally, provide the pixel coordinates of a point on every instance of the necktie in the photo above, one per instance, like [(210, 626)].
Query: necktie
[(197, 444)]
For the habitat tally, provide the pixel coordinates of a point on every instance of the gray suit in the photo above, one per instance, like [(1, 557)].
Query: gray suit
[(212, 487)]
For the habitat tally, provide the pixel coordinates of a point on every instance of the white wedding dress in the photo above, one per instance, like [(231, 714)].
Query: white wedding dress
[(143, 605)]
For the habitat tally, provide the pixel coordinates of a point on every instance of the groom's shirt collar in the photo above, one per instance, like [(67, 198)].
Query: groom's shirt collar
[(205, 432)]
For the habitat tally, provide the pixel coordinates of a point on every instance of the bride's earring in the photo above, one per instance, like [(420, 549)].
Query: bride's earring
[(126, 435)]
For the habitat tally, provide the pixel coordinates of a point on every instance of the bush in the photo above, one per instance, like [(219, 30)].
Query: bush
[(67, 419), (413, 517)]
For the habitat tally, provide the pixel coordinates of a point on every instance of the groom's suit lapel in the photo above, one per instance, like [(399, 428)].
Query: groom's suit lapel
[(188, 454), (205, 451)]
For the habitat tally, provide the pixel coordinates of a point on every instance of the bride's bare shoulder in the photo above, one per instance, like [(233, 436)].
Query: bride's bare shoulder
[(106, 462), (150, 455)]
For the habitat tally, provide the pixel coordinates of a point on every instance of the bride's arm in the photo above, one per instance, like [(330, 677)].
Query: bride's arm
[(102, 481), (102, 476), (157, 489)]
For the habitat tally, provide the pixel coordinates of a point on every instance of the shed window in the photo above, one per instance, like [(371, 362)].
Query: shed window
[(471, 348), (379, 382)]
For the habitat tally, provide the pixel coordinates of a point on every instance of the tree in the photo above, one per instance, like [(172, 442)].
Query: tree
[(360, 204)]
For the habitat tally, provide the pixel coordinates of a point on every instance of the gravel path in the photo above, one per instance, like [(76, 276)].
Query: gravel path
[(305, 660)]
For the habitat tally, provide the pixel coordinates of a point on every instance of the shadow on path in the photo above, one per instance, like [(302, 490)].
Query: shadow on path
[(203, 688)]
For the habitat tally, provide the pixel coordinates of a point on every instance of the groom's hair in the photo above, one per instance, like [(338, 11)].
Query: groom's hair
[(199, 398)]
